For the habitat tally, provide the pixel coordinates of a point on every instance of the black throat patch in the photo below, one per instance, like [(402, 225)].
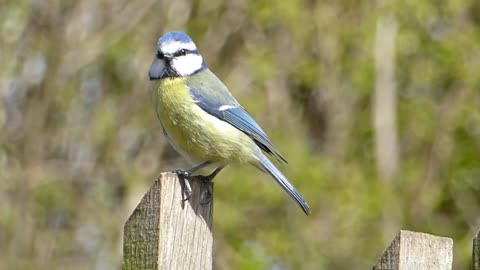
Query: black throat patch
[(169, 72)]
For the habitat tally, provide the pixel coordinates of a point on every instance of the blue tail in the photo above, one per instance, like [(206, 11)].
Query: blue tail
[(283, 181)]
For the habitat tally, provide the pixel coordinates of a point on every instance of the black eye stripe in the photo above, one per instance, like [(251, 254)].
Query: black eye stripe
[(182, 52), (185, 52)]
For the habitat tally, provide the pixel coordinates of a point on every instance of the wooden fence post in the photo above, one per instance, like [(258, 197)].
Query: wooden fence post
[(476, 252), (419, 251), (164, 232)]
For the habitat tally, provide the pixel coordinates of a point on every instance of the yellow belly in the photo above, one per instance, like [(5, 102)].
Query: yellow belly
[(195, 133)]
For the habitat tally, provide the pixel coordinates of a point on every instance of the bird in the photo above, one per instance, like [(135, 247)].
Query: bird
[(202, 120)]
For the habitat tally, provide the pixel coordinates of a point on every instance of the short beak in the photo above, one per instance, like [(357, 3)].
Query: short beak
[(156, 69)]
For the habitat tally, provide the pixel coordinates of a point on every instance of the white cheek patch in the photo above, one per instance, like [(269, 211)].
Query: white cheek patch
[(188, 64), (173, 46)]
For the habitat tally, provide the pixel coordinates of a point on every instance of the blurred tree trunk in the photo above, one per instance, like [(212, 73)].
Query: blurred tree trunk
[(385, 118), (385, 99)]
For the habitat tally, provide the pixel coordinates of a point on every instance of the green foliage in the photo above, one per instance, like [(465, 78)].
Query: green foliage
[(80, 142)]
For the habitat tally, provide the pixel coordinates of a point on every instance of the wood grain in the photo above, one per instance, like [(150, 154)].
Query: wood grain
[(164, 232), (476, 252), (419, 251)]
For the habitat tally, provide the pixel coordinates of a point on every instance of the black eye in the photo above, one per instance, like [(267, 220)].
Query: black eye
[(160, 55), (182, 52)]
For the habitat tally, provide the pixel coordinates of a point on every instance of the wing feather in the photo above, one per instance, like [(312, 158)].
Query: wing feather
[(221, 104)]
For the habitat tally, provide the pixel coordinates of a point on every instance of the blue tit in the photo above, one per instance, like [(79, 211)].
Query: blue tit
[(202, 120)]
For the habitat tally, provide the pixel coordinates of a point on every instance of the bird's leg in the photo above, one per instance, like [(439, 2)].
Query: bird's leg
[(189, 172), (185, 175), (208, 179)]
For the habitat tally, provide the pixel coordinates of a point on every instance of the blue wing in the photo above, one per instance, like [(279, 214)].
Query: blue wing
[(223, 105)]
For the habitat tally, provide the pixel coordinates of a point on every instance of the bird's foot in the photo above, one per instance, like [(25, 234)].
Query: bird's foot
[(187, 189), (207, 196), (183, 173), (208, 180)]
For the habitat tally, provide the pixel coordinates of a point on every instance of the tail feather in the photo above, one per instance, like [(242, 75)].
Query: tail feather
[(268, 166)]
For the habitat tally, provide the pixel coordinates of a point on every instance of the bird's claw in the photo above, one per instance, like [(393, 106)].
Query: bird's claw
[(187, 193), (207, 198), (187, 189), (183, 173), (208, 194)]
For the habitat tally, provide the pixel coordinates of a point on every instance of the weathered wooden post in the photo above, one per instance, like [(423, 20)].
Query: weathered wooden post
[(476, 252), (165, 232), (419, 251)]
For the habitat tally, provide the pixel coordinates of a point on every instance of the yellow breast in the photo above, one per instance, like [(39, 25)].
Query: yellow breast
[(195, 133)]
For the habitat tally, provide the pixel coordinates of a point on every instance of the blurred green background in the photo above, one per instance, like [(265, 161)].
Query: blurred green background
[(376, 105)]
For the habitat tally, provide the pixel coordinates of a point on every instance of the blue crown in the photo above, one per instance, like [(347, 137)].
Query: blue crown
[(175, 36)]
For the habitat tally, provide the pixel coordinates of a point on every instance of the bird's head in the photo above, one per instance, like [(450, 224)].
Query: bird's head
[(177, 56)]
